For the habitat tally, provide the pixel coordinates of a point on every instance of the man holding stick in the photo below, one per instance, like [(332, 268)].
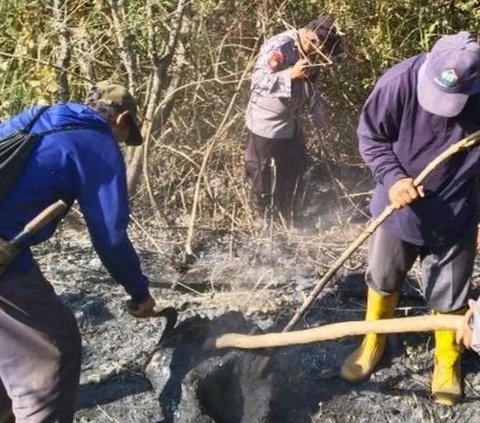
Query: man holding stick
[(282, 85), (418, 109)]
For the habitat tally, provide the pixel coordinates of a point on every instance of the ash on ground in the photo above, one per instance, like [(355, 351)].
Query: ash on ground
[(135, 371)]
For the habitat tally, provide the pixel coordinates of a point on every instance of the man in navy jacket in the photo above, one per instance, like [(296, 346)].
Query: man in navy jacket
[(418, 109), (39, 339)]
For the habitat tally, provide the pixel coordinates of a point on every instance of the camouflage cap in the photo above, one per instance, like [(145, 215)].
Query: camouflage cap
[(120, 100)]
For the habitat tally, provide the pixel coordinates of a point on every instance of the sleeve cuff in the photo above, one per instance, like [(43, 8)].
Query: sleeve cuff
[(392, 177), (285, 82)]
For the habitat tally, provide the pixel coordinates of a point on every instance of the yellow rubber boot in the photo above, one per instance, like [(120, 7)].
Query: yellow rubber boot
[(447, 379), (361, 363)]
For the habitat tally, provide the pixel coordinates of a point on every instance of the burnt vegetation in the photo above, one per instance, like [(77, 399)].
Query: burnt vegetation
[(189, 62)]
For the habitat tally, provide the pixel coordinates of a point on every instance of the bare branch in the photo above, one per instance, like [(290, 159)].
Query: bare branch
[(124, 42), (63, 58)]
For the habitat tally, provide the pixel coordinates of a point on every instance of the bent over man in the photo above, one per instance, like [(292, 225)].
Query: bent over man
[(77, 158), (282, 85), (418, 109)]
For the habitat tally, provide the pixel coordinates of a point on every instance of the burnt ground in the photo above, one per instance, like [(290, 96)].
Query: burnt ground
[(135, 371)]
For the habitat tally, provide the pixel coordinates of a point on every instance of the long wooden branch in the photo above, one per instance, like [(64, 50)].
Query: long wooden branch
[(176, 22), (63, 56), (124, 41), (210, 145), (462, 145), (339, 330), (160, 62), (152, 96)]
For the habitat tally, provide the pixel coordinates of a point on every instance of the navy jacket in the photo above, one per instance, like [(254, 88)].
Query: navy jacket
[(398, 138), (84, 165)]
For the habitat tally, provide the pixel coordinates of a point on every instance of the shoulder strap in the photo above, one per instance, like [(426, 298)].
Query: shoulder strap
[(62, 128), (28, 127)]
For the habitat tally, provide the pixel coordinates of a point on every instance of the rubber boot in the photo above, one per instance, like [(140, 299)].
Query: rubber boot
[(447, 379), (361, 363)]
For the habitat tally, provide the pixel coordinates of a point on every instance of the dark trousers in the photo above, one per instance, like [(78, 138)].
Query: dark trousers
[(446, 270), (281, 178), (40, 350)]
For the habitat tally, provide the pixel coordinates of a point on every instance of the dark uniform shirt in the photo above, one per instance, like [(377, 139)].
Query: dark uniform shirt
[(398, 139), (276, 100)]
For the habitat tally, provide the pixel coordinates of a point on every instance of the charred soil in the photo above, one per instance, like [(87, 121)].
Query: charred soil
[(162, 369)]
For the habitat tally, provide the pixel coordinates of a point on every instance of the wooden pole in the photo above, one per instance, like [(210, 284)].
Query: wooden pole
[(340, 330), (464, 144)]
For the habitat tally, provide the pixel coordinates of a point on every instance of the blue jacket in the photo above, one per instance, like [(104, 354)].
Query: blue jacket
[(84, 165)]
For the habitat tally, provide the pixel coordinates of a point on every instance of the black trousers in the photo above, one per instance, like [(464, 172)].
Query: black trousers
[(40, 351), (281, 179)]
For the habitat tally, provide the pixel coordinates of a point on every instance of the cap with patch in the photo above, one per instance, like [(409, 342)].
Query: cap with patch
[(450, 74), (118, 97), (324, 28)]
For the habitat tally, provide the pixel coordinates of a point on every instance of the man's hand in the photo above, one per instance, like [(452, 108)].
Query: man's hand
[(403, 192), (145, 309), (465, 333), (300, 69)]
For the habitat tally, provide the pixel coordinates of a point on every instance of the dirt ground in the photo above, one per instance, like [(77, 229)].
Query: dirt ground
[(135, 372)]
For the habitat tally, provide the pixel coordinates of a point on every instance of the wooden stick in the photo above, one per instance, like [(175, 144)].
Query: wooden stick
[(340, 330), (462, 145)]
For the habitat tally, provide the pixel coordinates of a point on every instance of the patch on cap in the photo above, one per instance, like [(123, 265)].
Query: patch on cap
[(450, 74), (448, 78)]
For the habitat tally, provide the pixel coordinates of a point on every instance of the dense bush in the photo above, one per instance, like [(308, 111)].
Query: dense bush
[(196, 111)]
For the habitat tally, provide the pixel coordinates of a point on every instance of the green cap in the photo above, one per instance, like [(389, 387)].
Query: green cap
[(118, 97)]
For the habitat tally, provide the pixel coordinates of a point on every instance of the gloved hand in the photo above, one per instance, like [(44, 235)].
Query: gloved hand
[(403, 192), (144, 309), (465, 332)]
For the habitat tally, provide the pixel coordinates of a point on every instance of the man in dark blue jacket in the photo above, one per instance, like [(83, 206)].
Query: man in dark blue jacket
[(416, 111), (39, 339)]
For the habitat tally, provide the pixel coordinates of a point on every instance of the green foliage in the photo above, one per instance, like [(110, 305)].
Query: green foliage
[(218, 48)]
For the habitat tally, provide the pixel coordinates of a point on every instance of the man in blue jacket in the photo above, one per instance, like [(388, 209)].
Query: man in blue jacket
[(39, 340), (416, 111)]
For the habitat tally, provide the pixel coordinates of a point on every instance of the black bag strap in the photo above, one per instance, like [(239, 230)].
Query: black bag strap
[(15, 148), (28, 127), (62, 128)]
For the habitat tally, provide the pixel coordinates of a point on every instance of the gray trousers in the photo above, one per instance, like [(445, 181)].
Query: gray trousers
[(40, 351), (446, 270)]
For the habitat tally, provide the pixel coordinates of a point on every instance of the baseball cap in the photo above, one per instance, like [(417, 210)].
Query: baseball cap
[(118, 97), (450, 74), (324, 27)]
